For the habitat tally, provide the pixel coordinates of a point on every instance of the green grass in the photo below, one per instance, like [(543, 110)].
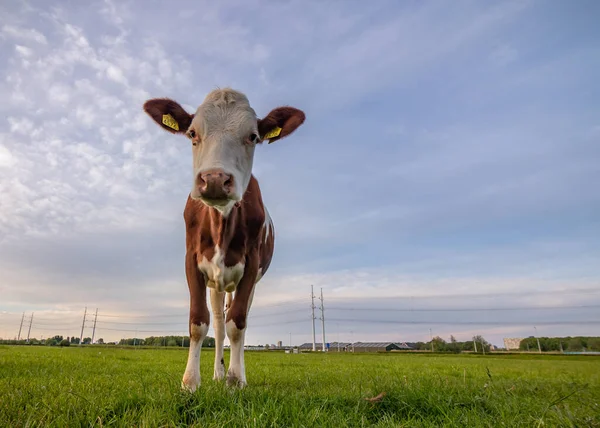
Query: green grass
[(43, 386)]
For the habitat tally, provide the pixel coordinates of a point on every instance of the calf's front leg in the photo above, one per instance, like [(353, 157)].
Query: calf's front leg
[(235, 324), (217, 301), (199, 322)]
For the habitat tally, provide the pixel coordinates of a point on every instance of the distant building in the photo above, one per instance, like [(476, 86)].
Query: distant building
[(358, 346), (280, 344), (255, 348), (331, 347), (377, 347), (512, 343), (338, 346)]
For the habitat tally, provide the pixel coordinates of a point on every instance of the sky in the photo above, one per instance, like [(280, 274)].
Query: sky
[(445, 180)]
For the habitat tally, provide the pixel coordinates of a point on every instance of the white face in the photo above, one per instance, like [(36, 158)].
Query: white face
[(224, 135)]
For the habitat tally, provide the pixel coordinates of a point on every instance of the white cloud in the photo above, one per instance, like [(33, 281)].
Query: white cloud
[(59, 93), (6, 158), (22, 125), (26, 34), (24, 51)]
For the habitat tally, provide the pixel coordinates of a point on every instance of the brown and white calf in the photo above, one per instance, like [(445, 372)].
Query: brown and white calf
[(229, 233)]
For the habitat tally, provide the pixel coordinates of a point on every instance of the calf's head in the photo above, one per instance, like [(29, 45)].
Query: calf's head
[(224, 132)]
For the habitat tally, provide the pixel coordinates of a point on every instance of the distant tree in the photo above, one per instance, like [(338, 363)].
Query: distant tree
[(87, 340), (482, 344), (453, 346), (593, 344), (65, 342), (209, 342), (439, 344), (575, 344), (100, 341)]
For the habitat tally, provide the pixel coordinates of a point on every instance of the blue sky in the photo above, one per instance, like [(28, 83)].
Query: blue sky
[(450, 149)]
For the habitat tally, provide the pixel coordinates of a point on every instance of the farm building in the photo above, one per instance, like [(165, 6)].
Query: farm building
[(377, 347), (332, 346), (359, 346)]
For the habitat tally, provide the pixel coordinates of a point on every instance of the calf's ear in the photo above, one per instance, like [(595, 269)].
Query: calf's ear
[(280, 123), (168, 114)]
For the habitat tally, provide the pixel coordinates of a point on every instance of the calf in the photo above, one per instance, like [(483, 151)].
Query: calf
[(229, 233)]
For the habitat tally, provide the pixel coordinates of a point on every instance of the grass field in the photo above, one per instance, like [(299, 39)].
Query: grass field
[(69, 387)]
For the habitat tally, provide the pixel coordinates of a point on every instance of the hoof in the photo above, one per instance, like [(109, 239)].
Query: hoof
[(219, 373), (234, 382), (190, 385), (188, 388)]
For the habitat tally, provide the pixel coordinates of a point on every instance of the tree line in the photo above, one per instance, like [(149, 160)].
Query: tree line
[(181, 341), (59, 340), (561, 344), (477, 344)]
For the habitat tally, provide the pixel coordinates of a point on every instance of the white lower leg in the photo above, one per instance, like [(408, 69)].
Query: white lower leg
[(236, 374), (191, 377), (217, 301)]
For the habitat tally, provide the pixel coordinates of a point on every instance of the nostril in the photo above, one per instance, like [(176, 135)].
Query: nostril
[(228, 183)]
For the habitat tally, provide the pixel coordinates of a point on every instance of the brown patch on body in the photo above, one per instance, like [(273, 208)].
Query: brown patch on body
[(240, 237)]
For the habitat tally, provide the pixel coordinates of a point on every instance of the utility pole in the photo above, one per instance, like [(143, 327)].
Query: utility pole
[(22, 318), (474, 344), (94, 330), (30, 324), (82, 326), (431, 336), (312, 307), (538, 339), (323, 318)]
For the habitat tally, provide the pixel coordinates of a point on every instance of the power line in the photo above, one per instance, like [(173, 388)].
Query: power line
[(527, 322), (588, 290), (185, 314), (521, 308)]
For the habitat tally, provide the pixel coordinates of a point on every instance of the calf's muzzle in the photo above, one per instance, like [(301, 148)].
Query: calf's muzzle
[(215, 185)]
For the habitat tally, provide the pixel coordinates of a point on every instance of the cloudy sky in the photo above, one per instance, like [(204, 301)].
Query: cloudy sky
[(446, 177)]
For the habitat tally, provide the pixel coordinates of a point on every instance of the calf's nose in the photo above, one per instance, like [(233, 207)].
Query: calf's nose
[(215, 184)]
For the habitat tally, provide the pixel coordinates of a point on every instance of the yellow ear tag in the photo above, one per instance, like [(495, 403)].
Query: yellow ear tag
[(273, 133), (169, 121)]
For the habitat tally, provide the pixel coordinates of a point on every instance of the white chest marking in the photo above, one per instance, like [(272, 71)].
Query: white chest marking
[(218, 276), (268, 224)]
